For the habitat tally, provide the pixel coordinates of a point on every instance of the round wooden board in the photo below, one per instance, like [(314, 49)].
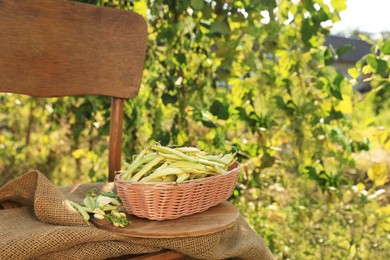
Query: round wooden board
[(215, 219)]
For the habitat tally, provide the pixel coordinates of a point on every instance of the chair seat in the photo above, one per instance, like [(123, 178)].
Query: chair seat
[(215, 219)]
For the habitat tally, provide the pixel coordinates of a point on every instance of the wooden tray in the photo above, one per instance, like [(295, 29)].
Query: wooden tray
[(215, 219)]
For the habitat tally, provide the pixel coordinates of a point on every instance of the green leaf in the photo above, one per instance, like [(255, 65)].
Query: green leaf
[(311, 172), (168, 99), (220, 110), (320, 16), (209, 124), (207, 12), (267, 161), (377, 65), (237, 17), (181, 58), (163, 138), (335, 88), (333, 115), (197, 4), (371, 60), (203, 117), (219, 140), (334, 91), (221, 27), (386, 47), (382, 67), (338, 79), (105, 130), (271, 4), (287, 107), (166, 34), (329, 57), (242, 113), (344, 49), (307, 31)]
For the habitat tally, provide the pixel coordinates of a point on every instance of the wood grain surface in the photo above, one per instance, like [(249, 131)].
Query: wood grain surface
[(115, 145), (215, 219), (52, 48)]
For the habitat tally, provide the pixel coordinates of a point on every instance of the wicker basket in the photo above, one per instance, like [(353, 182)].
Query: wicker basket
[(171, 200)]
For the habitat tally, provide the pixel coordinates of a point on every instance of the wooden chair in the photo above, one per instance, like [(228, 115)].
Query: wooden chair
[(60, 48), (56, 48)]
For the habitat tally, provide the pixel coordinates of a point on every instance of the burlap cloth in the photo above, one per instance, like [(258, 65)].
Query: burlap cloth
[(37, 223)]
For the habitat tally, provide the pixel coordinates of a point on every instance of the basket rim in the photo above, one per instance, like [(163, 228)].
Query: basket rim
[(234, 168)]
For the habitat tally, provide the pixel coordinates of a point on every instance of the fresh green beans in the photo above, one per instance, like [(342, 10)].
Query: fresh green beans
[(82, 210), (99, 205), (158, 163)]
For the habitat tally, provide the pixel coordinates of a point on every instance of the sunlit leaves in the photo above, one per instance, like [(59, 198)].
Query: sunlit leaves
[(346, 105), (374, 72), (78, 153), (379, 173), (353, 72), (338, 5), (140, 7)]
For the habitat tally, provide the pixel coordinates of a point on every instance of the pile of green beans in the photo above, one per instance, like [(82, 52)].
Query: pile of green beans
[(158, 163), (105, 205)]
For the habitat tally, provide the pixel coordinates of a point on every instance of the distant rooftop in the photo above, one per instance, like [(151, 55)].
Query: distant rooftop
[(361, 47)]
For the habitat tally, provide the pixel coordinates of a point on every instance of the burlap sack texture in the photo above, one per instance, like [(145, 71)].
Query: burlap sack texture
[(37, 223)]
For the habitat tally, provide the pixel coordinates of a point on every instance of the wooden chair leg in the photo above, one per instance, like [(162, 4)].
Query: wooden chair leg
[(115, 148)]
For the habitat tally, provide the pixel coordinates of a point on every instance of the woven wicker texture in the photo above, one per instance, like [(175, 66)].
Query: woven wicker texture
[(36, 223), (159, 200)]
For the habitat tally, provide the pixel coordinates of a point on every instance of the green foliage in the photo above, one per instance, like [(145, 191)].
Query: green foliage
[(374, 68), (234, 73), (48, 131), (299, 222)]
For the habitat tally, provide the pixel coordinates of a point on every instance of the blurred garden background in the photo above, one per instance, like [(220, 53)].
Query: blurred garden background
[(256, 75)]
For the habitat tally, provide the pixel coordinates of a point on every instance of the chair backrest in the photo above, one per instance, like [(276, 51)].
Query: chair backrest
[(56, 48)]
